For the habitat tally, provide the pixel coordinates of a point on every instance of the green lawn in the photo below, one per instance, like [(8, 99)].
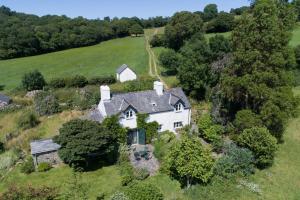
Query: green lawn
[(105, 180), (101, 59)]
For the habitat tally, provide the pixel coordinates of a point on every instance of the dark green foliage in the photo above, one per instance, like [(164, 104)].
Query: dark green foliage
[(76, 81), (143, 191), (208, 130), (219, 46), (224, 22), (259, 79), (297, 54), (33, 81), (136, 30), (43, 167), (2, 87), (163, 144), (170, 60), (296, 4), (28, 166), (235, 160), (57, 83), (239, 11), (23, 193), (112, 124), (2, 148), (27, 120), (82, 141), (193, 73), (210, 12), (158, 41), (245, 119), (261, 143), (102, 80), (46, 103), (150, 127), (189, 162), (25, 34), (181, 27)]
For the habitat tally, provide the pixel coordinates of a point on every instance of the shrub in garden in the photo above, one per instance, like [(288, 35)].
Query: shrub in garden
[(29, 192), (157, 41), (141, 174), (76, 81), (139, 85), (43, 167), (28, 166), (101, 80), (261, 143), (84, 99), (246, 119), (235, 160), (46, 104), (189, 162), (143, 191), (57, 83), (33, 81), (119, 196), (28, 120)]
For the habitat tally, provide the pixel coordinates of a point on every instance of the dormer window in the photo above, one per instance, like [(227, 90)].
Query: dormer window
[(178, 107), (129, 114)]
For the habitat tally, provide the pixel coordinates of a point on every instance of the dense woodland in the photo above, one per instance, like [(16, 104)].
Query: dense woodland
[(24, 34)]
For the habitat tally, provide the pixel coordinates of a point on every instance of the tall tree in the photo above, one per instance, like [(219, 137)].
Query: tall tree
[(210, 12), (258, 79), (181, 27)]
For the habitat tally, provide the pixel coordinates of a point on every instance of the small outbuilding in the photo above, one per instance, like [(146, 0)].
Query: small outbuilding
[(124, 73), (45, 151), (4, 100)]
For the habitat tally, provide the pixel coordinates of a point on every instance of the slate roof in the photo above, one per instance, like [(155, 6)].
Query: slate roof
[(122, 68), (43, 146), (4, 98), (146, 101)]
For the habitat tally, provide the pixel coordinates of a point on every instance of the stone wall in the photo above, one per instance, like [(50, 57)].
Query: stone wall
[(49, 157)]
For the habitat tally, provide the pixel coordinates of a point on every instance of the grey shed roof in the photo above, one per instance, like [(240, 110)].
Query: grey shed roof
[(4, 98), (43, 146), (146, 101), (122, 68)]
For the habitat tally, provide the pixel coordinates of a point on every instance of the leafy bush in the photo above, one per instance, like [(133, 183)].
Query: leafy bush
[(141, 174), (46, 104), (43, 167), (2, 149), (261, 143), (57, 83), (8, 159), (189, 162), (139, 85), (33, 81), (101, 80), (22, 193), (143, 191), (84, 99), (297, 54), (170, 60), (119, 196), (127, 173), (158, 41), (235, 160), (208, 130), (28, 166), (27, 120), (76, 81), (246, 119)]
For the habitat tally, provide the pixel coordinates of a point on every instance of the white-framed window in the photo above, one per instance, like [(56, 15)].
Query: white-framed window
[(159, 127), (129, 114), (178, 107), (178, 125)]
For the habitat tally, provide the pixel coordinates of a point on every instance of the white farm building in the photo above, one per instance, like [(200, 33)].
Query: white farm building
[(124, 73)]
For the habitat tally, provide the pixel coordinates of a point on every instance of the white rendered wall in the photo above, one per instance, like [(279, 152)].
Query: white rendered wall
[(166, 119), (127, 75)]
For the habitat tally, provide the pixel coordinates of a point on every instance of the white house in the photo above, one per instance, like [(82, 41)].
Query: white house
[(170, 108), (124, 73)]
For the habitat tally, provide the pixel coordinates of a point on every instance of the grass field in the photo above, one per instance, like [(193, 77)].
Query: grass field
[(101, 59)]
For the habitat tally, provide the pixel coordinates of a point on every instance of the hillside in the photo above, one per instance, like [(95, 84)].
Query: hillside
[(101, 59)]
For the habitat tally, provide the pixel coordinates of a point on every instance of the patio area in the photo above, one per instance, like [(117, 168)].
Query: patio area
[(141, 157)]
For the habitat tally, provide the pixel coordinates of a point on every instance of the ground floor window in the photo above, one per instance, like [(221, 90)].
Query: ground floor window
[(178, 125)]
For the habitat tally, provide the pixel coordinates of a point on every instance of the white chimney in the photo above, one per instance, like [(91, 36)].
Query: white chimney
[(159, 87), (105, 93)]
